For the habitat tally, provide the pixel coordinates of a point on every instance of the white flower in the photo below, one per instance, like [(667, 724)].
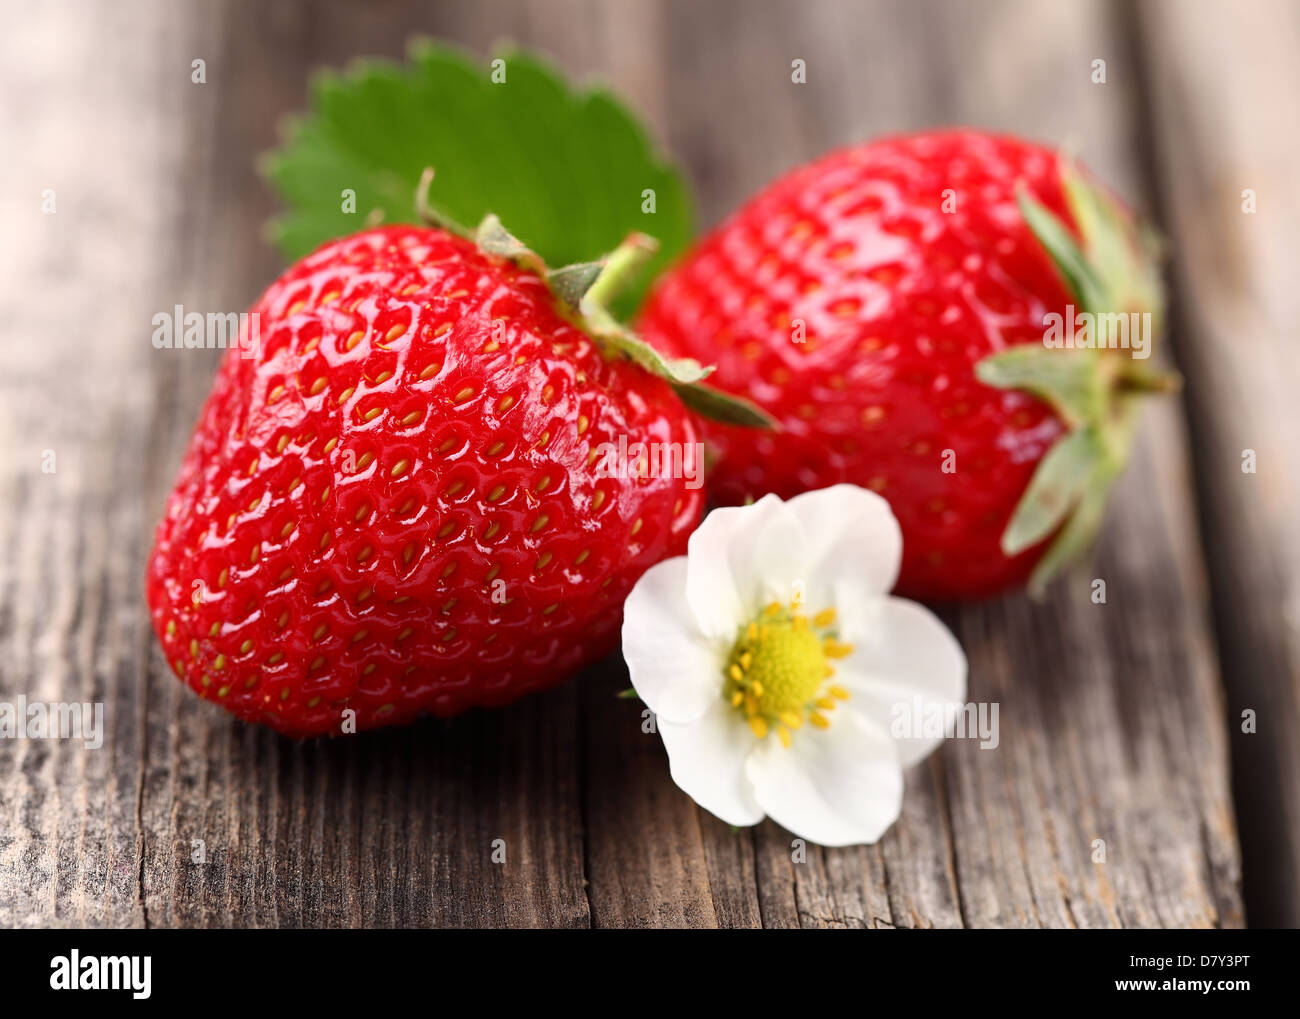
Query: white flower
[(774, 658)]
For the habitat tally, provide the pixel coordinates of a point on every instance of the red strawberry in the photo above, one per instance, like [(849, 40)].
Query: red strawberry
[(397, 506), (919, 270)]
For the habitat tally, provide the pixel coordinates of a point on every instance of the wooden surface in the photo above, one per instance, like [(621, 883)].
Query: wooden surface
[(1118, 721)]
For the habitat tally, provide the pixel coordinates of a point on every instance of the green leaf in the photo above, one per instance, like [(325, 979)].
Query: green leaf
[(719, 406), (1078, 534), (1110, 267), (571, 282), (566, 168), (1058, 484), (1068, 379), (1064, 250), (495, 239), (596, 288), (1124, 255), (679, 370)]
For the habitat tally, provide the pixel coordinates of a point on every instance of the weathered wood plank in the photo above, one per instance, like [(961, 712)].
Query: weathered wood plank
[(388, 828), (75, 316), (652, 858), (1111, 722), (159, 204), (1223, 82), (1088, 752), (1101, 705)]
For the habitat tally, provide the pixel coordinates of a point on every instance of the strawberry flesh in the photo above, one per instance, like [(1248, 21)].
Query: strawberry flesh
[(396, 506), (907, 261)]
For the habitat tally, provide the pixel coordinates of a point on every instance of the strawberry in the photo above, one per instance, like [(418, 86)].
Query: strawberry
[(887, 306), (397, 505)]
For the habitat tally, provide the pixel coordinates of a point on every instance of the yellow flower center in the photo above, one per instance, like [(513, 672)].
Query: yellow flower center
[(779, 669)]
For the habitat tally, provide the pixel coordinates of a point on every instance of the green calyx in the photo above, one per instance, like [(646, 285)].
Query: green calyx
[(585, 291), (1091, 368)]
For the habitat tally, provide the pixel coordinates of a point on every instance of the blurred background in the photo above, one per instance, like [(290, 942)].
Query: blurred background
[(1129, 722)]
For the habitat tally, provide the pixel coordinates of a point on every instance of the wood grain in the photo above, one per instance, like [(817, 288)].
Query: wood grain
[(1112, 723), (1223, 125)]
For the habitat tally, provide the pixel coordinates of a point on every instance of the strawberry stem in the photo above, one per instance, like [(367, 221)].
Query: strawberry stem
[(620, 268), (429, 214), (1139, 380), (1109, 264), (586, 289)]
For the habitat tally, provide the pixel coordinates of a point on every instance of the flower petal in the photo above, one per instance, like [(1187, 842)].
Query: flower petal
[(901, 651), (852, 534), (838, 787), (707, 761), (674, 668), (740, 558)]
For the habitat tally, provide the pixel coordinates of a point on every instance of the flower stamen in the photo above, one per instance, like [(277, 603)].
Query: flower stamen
[(777, 668), (834, 649)]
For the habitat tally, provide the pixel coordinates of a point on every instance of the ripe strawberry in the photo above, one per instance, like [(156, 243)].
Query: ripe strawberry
[(886, 305), (397, 505)]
